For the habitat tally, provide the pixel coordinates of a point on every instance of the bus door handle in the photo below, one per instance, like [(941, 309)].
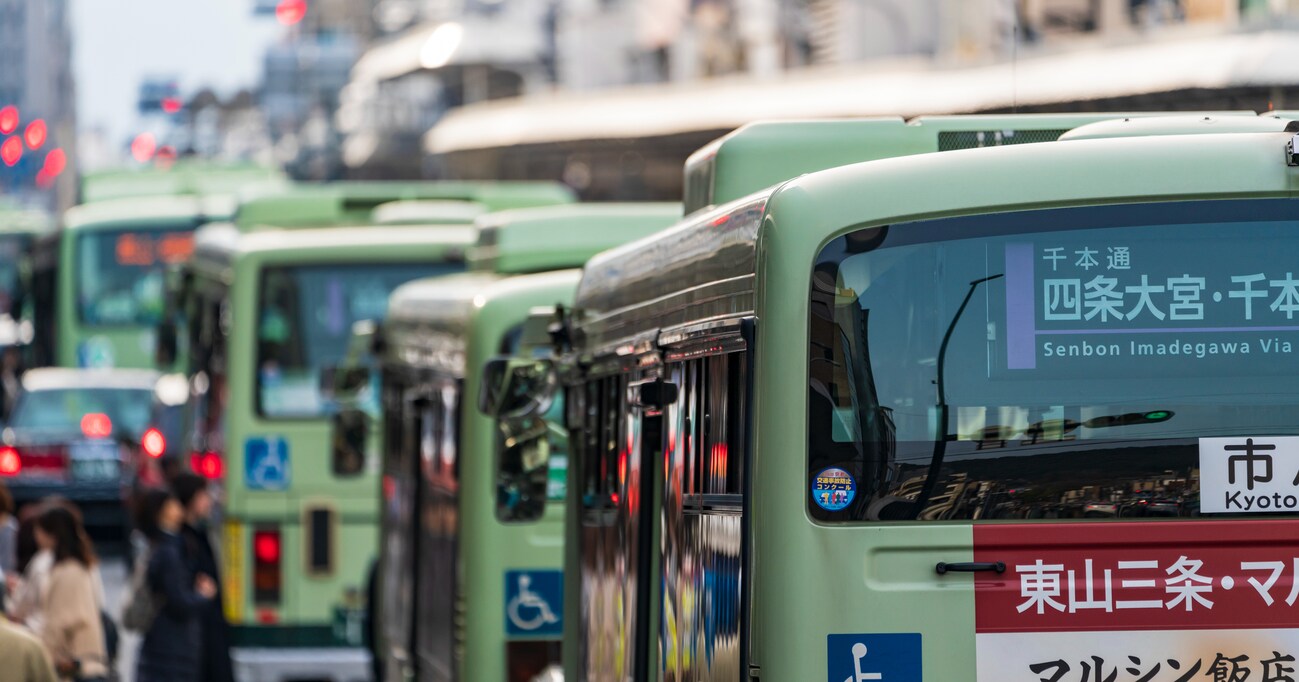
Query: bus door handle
[(970, 567)]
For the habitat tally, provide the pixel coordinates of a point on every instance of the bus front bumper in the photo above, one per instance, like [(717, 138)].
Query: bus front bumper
[(340, 664)]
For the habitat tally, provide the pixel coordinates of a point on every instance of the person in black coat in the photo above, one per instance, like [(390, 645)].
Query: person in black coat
[(172, 649), (192, 491)]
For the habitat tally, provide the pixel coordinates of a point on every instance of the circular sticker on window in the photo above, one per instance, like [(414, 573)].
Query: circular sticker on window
[(833, 489)]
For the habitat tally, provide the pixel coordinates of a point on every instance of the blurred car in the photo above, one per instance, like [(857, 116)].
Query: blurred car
[(79, 434)]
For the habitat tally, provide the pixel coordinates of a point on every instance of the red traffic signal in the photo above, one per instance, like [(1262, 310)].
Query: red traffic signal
[(143, 147), (290, 12), (11, 152), (35, 134), (8, 119), (55, 161)]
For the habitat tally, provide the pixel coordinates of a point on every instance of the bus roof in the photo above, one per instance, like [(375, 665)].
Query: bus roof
[(759, 155), (704, 269), (353, 203), (185, 177), (1177, 125), (225, 243), (429, 321), (145, 211), (426, 212), (553, 237)]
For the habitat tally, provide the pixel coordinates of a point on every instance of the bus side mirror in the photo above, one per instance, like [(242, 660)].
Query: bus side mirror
[(351, 431), (167, 341), (518, 389), (654, 394), (526, 448), (338, 382), (492, 385)]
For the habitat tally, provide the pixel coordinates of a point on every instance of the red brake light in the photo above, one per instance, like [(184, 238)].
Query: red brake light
[(154, 443), (266, 547), (267, 578), (207, 464), (10, 462), (96, 425)]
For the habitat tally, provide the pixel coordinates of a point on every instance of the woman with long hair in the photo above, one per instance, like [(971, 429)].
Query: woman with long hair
[(73, 632), (172, 643)]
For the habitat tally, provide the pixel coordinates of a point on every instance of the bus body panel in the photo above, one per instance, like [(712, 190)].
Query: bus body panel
[(320, 602), (489, 547), (149, 233), (890, 566), (808, 582)]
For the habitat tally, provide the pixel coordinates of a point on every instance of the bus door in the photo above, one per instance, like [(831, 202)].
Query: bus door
[(701, 507), (616, 529), (398, 537), (438, 593)]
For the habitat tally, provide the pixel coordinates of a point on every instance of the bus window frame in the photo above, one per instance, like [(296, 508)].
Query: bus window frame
[(264, 267), (76, 246)]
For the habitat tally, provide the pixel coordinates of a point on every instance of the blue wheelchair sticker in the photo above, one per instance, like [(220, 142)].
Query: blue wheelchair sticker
[(534, 603), (869, 658), (266, 463)]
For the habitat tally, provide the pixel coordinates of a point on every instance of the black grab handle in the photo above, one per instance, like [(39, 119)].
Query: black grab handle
[(971, 567)]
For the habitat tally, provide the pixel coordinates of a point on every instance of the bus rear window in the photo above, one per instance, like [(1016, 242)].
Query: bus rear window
[(304, 324), (120, 274), (1073, 363)]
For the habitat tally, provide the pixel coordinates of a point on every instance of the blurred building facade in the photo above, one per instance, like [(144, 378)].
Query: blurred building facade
[(351, 88), (36, 78)]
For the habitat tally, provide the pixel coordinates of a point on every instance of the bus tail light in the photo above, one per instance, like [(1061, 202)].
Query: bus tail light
[(207, 464), (267, 559)]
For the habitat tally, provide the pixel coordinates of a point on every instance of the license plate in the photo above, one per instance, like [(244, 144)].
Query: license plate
[(94, 461)]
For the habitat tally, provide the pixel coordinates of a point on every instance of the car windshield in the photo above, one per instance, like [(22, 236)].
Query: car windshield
[(64, 409), (12, 249), (120, 273), (1083, 362), (305, 323)]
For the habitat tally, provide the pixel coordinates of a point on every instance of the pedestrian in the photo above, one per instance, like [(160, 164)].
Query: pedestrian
[(192, 492), (22, 658), (171, 648), (8, 533), (73, 631), (27, 587)]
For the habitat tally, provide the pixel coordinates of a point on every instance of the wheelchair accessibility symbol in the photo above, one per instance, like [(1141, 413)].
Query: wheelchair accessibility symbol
[(534, 602), (893, 657)]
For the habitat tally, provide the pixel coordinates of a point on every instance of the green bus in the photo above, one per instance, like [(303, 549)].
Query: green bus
[(98, 281), (266, 311), (19, 230), (470, 573), (987, 415), (356, 202), (183, 177)]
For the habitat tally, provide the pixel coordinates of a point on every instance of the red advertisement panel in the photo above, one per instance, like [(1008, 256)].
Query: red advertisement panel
[(1187, 575)]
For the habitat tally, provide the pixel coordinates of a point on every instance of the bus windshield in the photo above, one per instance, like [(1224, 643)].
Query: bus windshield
[(305, 323), (1101, 362), (120, 274)]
